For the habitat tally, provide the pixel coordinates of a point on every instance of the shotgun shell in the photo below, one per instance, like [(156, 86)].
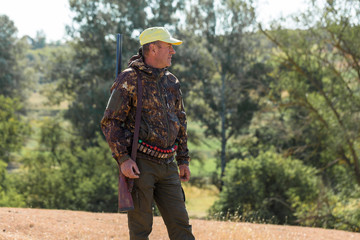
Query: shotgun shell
[(141, 147)]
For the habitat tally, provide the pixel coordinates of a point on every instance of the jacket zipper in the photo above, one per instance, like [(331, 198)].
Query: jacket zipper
[(165, 112)]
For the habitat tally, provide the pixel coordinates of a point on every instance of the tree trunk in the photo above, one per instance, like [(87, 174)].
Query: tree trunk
[(223, 130)]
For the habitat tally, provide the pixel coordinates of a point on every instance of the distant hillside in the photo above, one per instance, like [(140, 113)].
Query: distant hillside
[(33, 224)]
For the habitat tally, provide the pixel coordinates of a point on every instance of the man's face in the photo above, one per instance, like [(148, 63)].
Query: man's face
[(164, 54)]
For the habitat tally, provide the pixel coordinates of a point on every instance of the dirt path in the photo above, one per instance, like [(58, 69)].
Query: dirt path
[(34, 224)]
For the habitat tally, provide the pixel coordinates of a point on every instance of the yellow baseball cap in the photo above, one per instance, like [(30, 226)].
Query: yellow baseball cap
[(157, 34)]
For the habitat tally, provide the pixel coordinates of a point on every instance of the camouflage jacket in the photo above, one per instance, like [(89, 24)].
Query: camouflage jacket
[(163, 119)]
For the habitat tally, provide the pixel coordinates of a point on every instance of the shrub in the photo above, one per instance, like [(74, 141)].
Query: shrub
[(268, 188), (9, 197)]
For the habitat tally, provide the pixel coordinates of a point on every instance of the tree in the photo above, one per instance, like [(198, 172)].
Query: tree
[(61, 174), (8, 78), (320, 75), (13, 130), (9, 197), (39, 41), (216, 63), (13, 78)]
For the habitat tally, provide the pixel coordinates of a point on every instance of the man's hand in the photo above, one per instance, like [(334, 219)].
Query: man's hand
[(184, 173), (130, 169)]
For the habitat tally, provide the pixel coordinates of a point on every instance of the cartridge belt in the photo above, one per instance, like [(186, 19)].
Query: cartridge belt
[(156, 151)]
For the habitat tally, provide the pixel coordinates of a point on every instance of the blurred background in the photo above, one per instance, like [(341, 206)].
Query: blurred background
[(271, 90)]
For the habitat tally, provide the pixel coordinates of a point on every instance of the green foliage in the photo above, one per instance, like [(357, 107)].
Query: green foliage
[(65, 176), (86, 117), (14, 81), (267, 188), (331, 210), (39, 41), (317, 86), (214, 67), (9, 197), (7, 55), (13, 129)]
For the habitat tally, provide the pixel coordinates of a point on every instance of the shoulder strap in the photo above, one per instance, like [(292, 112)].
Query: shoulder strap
[(138, 115)]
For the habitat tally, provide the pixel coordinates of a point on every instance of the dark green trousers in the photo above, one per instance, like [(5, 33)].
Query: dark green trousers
[(159, 182)]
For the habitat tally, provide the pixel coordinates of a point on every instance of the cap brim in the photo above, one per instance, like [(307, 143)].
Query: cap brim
[(173, 41)]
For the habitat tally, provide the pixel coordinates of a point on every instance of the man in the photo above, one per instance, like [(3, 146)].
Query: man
[(162, 134)]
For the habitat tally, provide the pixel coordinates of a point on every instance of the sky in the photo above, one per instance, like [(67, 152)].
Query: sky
[(51, 16)]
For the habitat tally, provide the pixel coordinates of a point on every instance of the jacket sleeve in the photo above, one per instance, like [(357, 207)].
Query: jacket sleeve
[(117, 110), (182, 153)]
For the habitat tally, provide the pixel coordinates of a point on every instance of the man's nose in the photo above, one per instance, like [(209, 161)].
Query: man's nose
[(172, 50)]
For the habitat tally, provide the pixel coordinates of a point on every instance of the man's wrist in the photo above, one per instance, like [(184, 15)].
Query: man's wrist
[(183, 162), (123, 159)]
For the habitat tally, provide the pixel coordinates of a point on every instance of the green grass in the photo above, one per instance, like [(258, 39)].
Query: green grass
[(203, 168), (203, 154), (200, 193), (210, 145), (199, 200)]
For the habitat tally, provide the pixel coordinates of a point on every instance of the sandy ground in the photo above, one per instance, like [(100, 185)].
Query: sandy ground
[(26, 224)]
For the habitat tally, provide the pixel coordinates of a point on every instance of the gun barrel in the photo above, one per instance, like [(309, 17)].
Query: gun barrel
[(118, 54)]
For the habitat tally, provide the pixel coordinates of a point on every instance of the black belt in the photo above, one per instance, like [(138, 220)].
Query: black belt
[(156, 151)]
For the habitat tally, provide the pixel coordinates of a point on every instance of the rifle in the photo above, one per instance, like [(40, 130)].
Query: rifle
[(126, 184), (118, 54), (125, 201)]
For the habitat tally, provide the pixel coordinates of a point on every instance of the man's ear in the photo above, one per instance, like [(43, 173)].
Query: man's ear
[(152, 49)]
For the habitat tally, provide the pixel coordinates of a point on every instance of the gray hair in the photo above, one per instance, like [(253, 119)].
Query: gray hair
[(146, 47)]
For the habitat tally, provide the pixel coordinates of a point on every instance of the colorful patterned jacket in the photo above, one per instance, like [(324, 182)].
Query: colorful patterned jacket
[(163, 118)]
